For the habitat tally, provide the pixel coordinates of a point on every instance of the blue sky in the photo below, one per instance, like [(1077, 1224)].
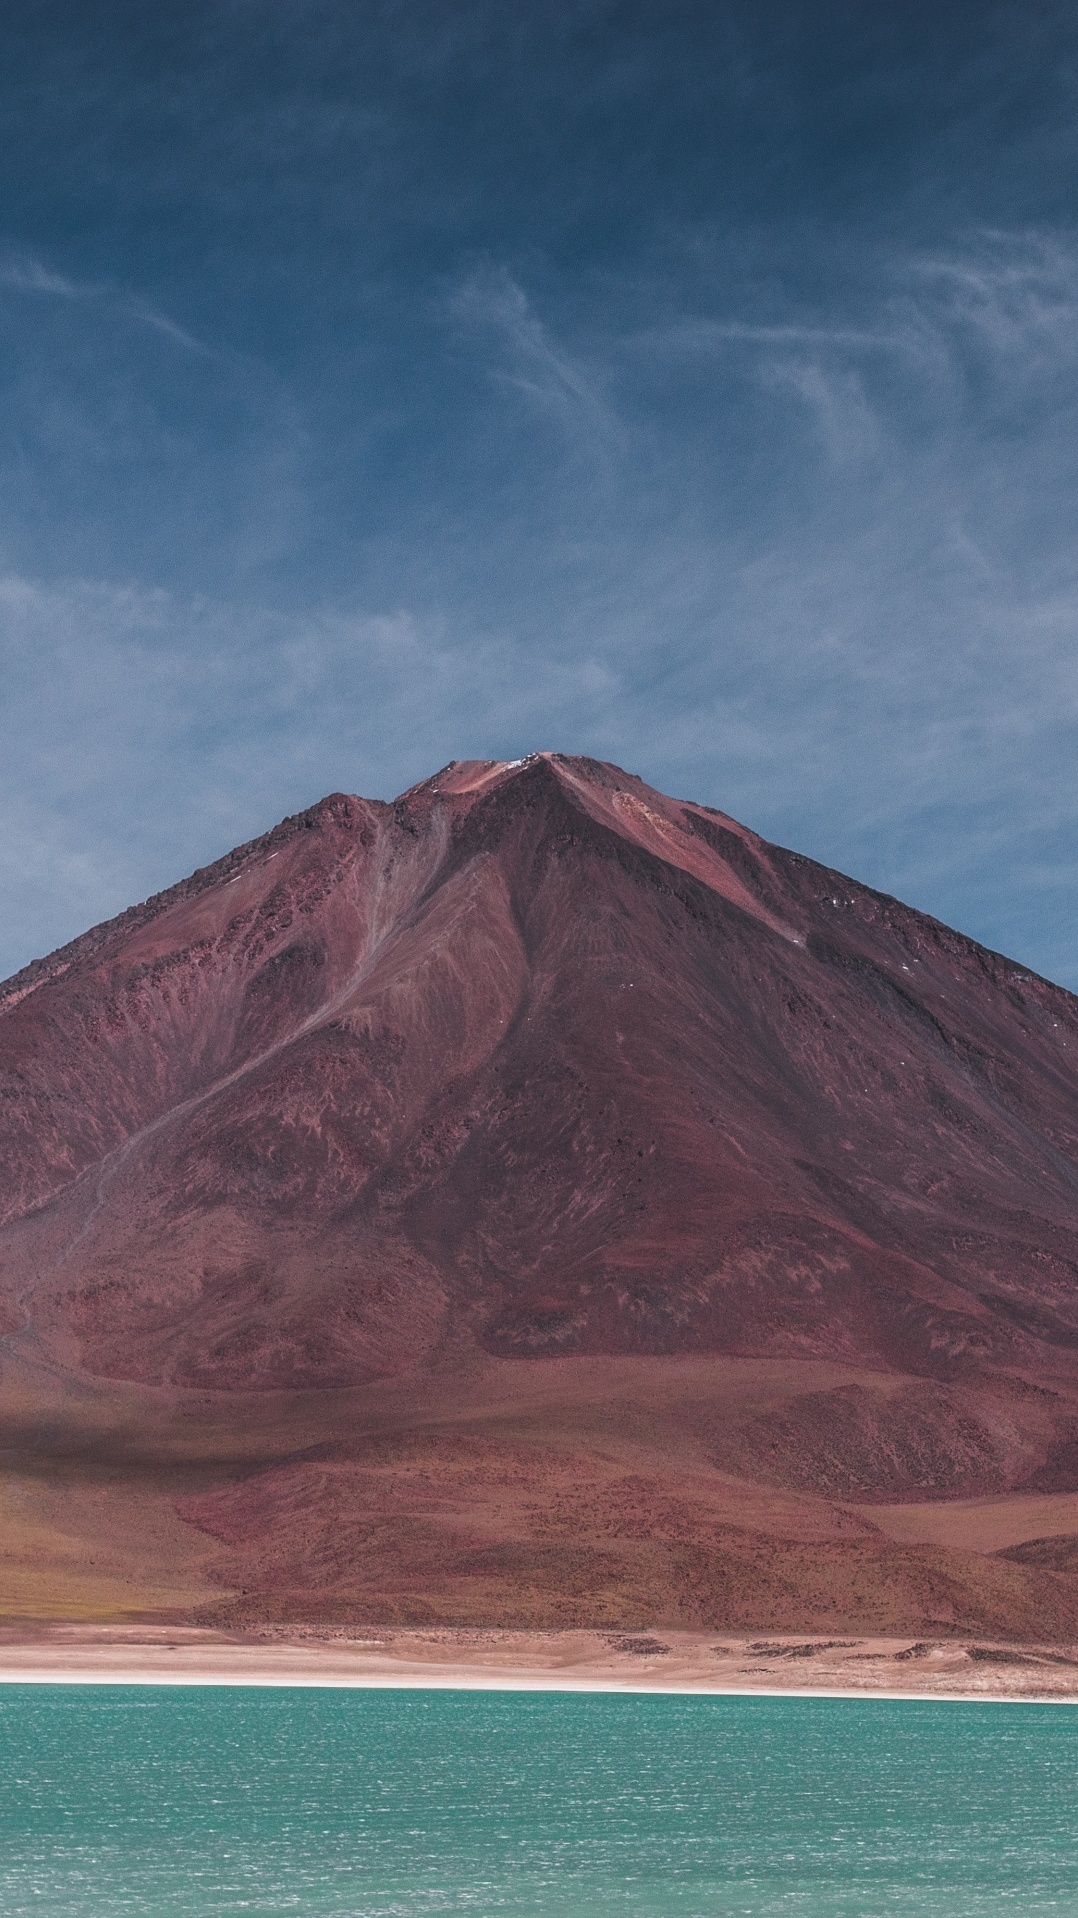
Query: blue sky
[(691, 385)]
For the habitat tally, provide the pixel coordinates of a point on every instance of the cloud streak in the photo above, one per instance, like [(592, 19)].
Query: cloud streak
[(31, 277), (491, 304)]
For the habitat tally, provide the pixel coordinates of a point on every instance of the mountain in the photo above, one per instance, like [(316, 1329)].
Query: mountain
[(540, 1200)]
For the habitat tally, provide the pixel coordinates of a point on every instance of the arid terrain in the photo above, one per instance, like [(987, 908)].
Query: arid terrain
[(538, 1205), (489, 1658)]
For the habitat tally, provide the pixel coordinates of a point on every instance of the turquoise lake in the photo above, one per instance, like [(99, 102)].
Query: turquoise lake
[(161, 1801)]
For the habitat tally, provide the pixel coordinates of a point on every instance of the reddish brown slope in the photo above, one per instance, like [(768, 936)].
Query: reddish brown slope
[(539, 1063)]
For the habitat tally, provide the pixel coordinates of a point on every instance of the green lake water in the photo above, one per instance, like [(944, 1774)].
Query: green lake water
[(160, 1801)]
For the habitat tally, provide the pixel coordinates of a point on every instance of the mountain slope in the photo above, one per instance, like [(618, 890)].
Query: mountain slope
[(538, 1069)]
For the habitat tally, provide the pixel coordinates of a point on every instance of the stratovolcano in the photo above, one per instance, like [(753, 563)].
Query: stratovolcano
[(521, 1200)]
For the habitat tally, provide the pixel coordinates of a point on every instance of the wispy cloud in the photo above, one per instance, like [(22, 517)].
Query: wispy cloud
[(28, 275), (704, 335), (1009, 298), (160, 323), (1018, 292), (526, 355), (834, 398)]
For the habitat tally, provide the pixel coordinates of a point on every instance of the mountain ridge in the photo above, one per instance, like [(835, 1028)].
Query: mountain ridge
[(84, 944)]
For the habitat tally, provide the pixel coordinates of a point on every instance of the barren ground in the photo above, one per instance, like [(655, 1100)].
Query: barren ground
[(553, 1495), (559, 1660)]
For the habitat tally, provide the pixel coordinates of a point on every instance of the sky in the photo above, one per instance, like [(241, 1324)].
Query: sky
[(690, 385)]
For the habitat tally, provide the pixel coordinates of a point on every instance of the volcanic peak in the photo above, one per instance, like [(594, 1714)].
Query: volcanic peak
[(537, 1056), (536, 1197)]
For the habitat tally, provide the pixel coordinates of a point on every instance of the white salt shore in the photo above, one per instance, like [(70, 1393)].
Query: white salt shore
[(673, 1662)]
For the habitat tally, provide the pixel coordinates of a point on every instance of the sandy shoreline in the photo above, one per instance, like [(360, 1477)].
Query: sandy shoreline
[(674, 1662)]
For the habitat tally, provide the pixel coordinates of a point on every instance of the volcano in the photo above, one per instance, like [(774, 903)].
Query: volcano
[(541, 1201)]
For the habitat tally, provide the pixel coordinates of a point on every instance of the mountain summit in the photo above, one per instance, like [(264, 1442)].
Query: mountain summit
[(538, 1075)]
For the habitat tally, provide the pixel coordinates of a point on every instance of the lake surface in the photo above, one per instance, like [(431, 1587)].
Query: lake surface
[(160, 1801)]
